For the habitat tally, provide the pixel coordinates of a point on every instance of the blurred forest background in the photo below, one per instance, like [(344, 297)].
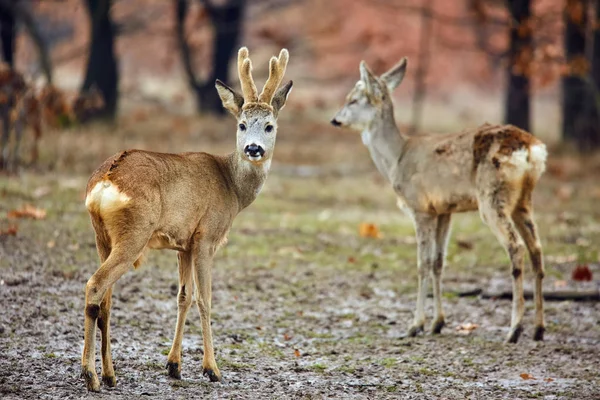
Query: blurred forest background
[(533, 63)]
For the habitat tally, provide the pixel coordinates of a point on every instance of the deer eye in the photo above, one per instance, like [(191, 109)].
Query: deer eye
[(269, 128), (242, 127)]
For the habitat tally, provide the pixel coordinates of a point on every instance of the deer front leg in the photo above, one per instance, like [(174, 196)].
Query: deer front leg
[(425, 229), (184, 301), (441, 243), (203, 266)]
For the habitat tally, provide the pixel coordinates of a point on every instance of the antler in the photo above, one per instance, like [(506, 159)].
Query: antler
[(245, 73), (276, 71)]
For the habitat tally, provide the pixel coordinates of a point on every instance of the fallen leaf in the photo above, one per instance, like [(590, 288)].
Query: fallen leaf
[(297, 353), (10, 231), (548, 380), (581, 273), (27, 211), (287, 337), (351, 260), (369, 230), (466, 328), (41, 192), (51, 244), (526, 376)]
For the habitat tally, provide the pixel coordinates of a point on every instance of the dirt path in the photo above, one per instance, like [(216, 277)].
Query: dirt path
[(303, 308)]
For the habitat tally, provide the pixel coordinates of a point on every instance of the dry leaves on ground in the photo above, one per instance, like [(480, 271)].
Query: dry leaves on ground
[(367, 229), (525, 376), (582, 273), (27, 211), (10, 231), (466, 328)]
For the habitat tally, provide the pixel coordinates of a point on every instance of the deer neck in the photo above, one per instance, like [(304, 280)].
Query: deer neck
[(247, 178), (384, 140)]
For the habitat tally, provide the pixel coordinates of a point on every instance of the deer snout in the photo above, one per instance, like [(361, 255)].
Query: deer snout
[(335, 122), (254, 151)]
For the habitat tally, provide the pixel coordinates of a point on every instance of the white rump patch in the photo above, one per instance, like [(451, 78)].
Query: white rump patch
[(517, 164), (105, 196), (538, 158)]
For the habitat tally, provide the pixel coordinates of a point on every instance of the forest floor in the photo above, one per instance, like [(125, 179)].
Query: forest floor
[(303, 305)]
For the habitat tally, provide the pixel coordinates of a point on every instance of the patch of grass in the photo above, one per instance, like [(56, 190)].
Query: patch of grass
[(346, 369), (426, 372), (315, 335), (50, 355), (317, 367), (155, 365), (388, 362), (165, 351), (391, 389)]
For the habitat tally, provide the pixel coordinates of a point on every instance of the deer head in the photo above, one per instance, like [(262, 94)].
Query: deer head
[(256, 114), (369, 97)]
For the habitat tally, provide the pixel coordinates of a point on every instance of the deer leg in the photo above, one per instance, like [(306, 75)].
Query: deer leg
[(495, 215), (203, 266), (108, 372), (441, 243), (37, 134), (425, 226), (523, 219), (118, 262), (5, 137), (184, 301)]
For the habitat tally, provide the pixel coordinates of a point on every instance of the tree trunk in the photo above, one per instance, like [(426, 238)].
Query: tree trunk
[(102, 69), (227, 24), (7, 34), (580, 114), (517, 107)]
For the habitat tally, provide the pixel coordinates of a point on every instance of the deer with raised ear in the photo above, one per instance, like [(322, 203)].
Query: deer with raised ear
[(184, 202), (493, 169)]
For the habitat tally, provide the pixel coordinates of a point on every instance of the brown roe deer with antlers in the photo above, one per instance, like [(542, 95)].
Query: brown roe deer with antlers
[(184, 202), (493, 168)]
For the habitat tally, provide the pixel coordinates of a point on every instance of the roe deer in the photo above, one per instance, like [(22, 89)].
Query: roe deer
[(493, 168), (185, 202)]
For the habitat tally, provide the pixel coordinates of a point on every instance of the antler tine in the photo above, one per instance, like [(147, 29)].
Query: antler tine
[(249, 90), (277, 68)]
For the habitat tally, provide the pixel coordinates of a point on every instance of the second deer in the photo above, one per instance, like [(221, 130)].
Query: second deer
[(184, 202), (493, 168)]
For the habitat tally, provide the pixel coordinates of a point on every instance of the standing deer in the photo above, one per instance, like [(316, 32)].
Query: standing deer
[(493, 168), (184, 202)]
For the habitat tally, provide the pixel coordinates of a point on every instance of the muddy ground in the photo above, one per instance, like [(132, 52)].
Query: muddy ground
[(304, 307)]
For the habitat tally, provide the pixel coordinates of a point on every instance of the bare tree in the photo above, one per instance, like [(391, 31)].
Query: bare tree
[(518, 69), (226, 19), (102, 71)]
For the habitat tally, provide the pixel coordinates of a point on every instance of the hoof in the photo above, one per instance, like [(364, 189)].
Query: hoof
[(513, 336), (109, 380), (538, 336), (436, 327), (91, 380), (212, 375), (174, 370), (415, 330)]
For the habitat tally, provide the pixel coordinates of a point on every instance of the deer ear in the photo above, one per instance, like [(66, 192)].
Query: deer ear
[(395, 75), (369, 80), (232, 101), (281, 96)]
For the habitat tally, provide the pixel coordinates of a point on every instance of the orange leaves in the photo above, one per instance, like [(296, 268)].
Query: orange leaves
[(525, 376), (27, 211), (581, 273), (369, 230), (466, 328), (297, 353), (10, 231)]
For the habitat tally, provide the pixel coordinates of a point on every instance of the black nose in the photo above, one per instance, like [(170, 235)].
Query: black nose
[(254, 150), (335, 122)]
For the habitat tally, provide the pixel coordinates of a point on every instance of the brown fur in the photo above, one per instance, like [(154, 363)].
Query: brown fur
[(187, 202)]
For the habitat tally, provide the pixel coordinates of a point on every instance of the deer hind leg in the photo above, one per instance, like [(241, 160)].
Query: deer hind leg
[(441, 243), (184, 301), (425, 226), (523, 218), (122, 256), (108, 372), (495, 209), (203, 280), (18, 136), (37, 134)]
